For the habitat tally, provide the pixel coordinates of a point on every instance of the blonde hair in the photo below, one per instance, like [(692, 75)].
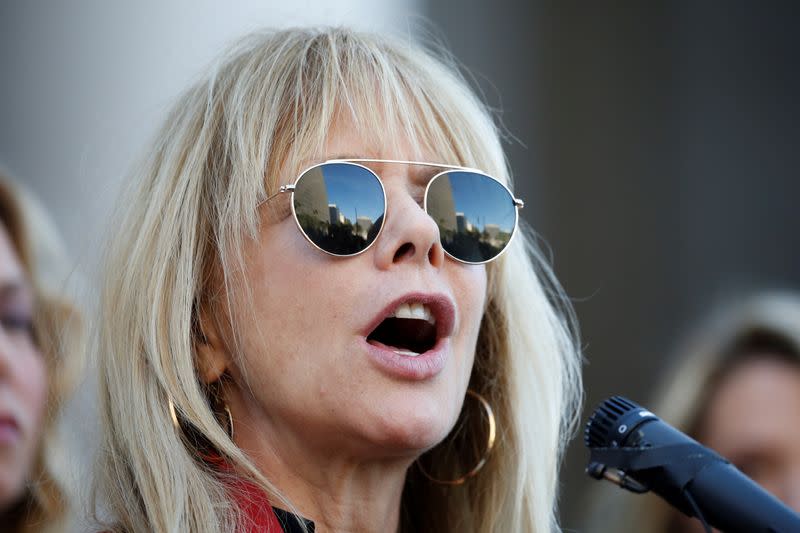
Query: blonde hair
[(268, 105), (766, 323), (57, 330)]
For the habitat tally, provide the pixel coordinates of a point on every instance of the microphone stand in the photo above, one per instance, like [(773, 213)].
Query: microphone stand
[(634, 449), (683, 461)]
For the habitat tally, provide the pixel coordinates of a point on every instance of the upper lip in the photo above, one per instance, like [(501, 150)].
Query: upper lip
[(441, 306)]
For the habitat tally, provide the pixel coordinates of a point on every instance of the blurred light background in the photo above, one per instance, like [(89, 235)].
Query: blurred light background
[(655, 143)]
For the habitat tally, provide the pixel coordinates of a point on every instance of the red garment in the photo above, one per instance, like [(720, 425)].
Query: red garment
[(257, 513)]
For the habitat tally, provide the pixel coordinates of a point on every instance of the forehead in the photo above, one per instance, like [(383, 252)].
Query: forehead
[(350, 139), (347, 134), (755, 404)]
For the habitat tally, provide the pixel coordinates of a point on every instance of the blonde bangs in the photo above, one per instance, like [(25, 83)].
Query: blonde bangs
[(288, 97)]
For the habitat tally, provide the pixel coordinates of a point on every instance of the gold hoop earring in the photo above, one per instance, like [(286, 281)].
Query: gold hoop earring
[(492, 433), (177, 425)]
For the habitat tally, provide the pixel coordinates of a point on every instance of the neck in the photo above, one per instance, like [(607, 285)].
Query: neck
[(338, 492)]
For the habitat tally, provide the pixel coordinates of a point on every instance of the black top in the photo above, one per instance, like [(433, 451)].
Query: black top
[(289, 522)]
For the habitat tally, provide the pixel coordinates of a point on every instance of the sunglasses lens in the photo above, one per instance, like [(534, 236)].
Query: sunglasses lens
[(476, 214), (339, 207)]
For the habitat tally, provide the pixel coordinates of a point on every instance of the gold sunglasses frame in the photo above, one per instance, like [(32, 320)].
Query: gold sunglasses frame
[(518, 203)]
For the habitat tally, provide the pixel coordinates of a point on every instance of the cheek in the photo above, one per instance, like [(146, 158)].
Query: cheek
[(289, 321), (27, 383), (469, 285)]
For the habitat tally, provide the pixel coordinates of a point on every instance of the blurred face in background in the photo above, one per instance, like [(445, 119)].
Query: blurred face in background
[(23, 379), (753, 419)]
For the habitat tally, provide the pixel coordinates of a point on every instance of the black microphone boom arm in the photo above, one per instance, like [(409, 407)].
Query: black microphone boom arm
[(636, 450)]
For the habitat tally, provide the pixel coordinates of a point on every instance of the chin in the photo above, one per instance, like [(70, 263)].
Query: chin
[(414, 427)]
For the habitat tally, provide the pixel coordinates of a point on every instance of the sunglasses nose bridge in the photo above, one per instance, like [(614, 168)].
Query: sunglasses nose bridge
[(410, 232)]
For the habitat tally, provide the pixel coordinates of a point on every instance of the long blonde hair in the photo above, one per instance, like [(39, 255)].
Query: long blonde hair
[(268, 105), (57, 329)]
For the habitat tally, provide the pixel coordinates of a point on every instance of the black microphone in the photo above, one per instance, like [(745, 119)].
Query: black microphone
[(633, 448)]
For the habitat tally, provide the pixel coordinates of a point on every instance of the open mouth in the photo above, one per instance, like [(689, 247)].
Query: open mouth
[(410, 330)]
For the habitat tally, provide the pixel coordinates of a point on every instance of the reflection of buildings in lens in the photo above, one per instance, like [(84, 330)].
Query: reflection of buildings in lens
[(442, 205), (376, 227), (463, 225), (364, 224), (334, 215), (492, 231), (311, 195), (493, 235)]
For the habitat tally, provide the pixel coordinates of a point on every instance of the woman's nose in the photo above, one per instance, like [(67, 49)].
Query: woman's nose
[(409, 234)]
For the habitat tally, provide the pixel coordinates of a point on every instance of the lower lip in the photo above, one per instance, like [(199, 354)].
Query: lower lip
[(424, 366), (9, 433)]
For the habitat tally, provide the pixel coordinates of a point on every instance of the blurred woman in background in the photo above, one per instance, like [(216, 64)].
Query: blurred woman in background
[(39, 338), (736, 390)]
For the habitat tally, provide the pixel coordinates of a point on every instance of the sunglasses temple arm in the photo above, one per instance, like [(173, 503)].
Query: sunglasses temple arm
[(281, 190), (519, 203)]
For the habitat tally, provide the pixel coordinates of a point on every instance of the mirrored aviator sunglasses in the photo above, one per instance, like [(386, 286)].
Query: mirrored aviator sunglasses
[(340, 207)]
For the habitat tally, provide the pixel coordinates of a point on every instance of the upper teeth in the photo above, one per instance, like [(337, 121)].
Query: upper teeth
[(414, 310)]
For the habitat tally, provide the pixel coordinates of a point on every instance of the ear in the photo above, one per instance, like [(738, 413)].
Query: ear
[(212, 355)]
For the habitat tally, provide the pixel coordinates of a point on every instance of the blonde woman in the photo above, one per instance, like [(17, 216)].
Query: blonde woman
[(39, 333), (736, 389), (318, 276)]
